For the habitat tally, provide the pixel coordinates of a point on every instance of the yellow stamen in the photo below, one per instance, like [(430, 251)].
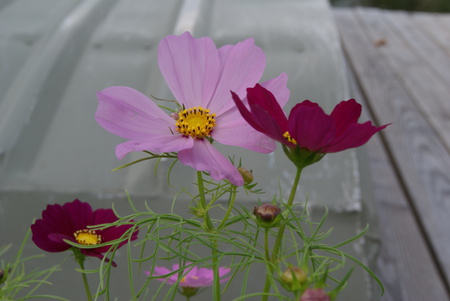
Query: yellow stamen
[(195, 122), (289, 138), (87, 237)]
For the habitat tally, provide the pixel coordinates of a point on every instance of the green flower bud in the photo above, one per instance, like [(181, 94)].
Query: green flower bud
[(247, 175), (267, 215), (293, 278)]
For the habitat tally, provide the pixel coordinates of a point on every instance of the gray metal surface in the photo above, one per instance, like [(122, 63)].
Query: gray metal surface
[(54, 56)]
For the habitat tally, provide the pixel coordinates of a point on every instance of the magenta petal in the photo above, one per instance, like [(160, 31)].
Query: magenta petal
[(246, 114), (204, 157), (262, 99), (310, 126), (354, 135), (42, 238), (191, 68), (345, 114), (278, 87)]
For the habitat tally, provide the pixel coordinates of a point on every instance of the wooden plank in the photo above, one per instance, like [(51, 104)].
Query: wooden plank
[(437, 27), (422, 43), (398, 230), (419, 154), (426, 87)]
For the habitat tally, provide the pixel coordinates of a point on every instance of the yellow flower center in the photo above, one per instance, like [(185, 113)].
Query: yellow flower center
[(183, 280), (87, 237), (289, 138), (195, 122)]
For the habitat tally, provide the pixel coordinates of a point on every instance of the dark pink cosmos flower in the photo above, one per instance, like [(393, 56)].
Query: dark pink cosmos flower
[(200, 76), (71, 222), (308, 126)]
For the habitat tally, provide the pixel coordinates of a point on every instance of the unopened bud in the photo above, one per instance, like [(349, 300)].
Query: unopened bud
[(267, 215), (293, 274), (247, 175), (314, 294)]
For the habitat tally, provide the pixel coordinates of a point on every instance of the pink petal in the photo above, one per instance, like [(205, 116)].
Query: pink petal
[(310, 126), (130, 114), (232, 129), (243, 66), (155, 144), (345, 114), (191, 68), (204, 157)]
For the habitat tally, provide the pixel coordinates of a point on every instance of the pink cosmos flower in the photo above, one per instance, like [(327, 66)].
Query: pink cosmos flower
[(200, 77), (314, 294), (71, 222), (193, 277), (308, 126)]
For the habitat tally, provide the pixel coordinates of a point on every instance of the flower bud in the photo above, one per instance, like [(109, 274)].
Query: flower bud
[(267, 215), (294, 274), (314, 294), (247, 175)]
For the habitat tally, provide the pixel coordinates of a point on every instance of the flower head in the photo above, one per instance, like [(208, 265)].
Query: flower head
[(192, 278), (200, 77), (308, 127), (293, 278), (315, 294), (72, 221)]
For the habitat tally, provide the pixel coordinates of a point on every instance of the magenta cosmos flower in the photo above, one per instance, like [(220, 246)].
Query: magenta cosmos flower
[(308, 126), (71, 222), (200, 77)]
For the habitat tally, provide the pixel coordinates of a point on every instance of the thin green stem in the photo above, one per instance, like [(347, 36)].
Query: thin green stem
[(269, 264), (216, 287), (230, 208), (201, 190), (210, 228), (266, 247), (80, 260), (277, 246)]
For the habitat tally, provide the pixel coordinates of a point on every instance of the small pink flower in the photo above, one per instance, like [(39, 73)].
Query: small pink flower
[(200, 77), (193, 277), (308, 126), (314, 294)]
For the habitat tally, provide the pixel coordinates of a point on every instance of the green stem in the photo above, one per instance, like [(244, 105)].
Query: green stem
[(210, 228), (277, 246), (230, 207), (201, 190), (269, 264), (80, 260)]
